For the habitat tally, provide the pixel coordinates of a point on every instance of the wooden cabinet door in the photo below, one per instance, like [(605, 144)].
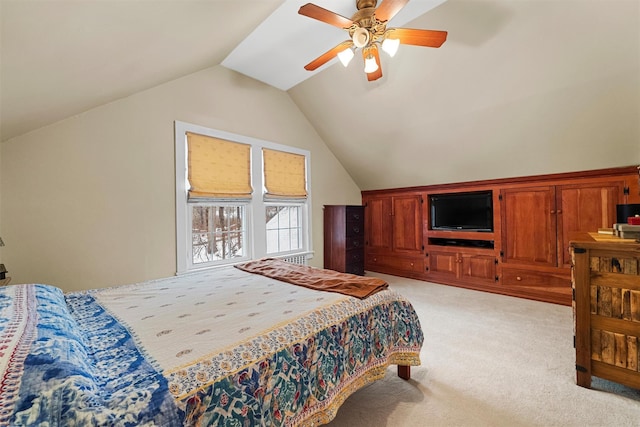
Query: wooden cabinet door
[(478, 268), (443, 264), (452, 264), (529, 226), (377, 216), (407, 223), (585, 208)]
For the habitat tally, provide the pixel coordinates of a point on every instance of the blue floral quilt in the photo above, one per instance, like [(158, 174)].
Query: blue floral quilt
[(81, 360)]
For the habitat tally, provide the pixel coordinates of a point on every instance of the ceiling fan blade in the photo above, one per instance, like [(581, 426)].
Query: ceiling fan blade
[(378, 73), (389, 8), (324, 15), (328, 56), (428, 38)]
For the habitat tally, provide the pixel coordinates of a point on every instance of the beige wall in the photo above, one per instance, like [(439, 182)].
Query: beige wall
[(89, 201)]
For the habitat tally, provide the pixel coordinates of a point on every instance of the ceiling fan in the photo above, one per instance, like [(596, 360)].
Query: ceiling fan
[(367, 29)]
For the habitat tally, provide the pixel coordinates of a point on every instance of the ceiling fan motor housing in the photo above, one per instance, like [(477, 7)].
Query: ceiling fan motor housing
[(361, 4), (365, 21), (364, 17)]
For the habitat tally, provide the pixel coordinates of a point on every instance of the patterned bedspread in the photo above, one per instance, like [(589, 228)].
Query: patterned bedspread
[(222, 347)]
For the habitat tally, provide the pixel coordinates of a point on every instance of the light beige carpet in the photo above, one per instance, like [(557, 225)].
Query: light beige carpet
[(489, 360)]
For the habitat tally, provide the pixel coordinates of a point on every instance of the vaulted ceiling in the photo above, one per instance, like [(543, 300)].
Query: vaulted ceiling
[(516, 89)]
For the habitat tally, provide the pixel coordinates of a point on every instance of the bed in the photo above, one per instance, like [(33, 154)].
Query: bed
[(223, 347)]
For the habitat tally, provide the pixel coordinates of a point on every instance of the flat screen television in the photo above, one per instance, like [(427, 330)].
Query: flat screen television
[(472, 211)]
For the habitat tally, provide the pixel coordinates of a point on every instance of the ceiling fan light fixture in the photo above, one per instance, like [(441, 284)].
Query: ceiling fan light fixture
[(368, 32), (360, 37), (346, 56), (370, 64), (390, 46)]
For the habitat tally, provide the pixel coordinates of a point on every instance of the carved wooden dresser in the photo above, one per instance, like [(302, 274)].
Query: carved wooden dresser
[(606, 303)]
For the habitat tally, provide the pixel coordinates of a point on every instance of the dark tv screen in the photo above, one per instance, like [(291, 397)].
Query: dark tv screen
[(462, 211)]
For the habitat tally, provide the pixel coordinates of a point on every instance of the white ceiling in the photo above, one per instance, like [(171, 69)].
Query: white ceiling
[(518, 88)]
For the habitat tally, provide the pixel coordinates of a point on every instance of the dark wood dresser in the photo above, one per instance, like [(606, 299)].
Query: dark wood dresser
[(606, 289), (344, 238)]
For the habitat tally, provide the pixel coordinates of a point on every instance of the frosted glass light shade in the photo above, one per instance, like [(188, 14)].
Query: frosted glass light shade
[(370, 65), (390, 46), (360, 37), (345, 56)]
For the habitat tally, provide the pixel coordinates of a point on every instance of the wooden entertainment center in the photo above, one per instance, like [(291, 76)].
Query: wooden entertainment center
[(526, 254)]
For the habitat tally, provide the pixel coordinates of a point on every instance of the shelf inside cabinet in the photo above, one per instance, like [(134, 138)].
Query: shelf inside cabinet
[(462, 243), (468, 235)]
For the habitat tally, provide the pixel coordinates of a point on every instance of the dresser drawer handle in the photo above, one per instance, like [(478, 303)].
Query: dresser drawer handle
[(518, 278)]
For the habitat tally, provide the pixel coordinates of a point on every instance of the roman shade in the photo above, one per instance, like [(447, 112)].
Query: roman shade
[(284, 175), (218, 169)]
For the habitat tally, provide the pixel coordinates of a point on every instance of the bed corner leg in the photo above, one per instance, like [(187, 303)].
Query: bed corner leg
[(404, 372)]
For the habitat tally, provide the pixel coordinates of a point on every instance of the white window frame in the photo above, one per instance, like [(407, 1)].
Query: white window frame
[(255, 208)]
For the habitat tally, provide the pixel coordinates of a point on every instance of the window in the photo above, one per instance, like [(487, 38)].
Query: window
[(285, 191), (217, 232), (284, 228), (218, 199)]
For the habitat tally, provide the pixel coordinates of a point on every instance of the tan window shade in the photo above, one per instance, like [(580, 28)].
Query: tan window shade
[(218, 168), (284, 174)]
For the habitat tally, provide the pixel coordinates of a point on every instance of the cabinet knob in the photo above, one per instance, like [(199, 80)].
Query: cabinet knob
[(519, 279), (559, 211), (411, 264)]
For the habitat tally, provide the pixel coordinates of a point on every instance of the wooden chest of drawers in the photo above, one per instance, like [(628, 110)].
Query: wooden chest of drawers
[(606, 287), (344, 238)]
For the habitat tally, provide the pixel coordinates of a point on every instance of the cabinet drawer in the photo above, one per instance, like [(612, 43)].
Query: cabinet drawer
[(354, 229), (536, 279), (354, 243), (356, 268), (354, 255), (355, 214), (397, 263)]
